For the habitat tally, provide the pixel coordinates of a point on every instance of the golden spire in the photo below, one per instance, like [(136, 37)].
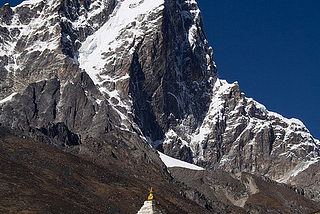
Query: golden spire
[(150, 197)]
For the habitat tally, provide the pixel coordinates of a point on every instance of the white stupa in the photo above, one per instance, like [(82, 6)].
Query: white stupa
[(149, 206)]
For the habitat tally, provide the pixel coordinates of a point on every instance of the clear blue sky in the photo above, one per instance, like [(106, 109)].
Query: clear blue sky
[(12, 3), (272, 48)]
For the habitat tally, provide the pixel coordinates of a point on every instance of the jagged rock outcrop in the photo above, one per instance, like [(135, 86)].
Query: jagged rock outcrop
[(240, 135), (177, 86), (6, 14)]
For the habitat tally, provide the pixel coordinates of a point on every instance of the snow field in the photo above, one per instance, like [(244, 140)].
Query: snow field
[(172, 162)]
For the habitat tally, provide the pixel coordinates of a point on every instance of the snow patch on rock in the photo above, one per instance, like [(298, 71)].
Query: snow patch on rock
[(8, 98), (172, 162), (300, 167)]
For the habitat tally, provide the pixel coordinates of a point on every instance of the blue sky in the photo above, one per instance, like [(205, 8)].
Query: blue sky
[(12, 3), (272, 48)]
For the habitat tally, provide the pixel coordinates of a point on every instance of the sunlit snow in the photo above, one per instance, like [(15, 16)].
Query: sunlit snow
[(27, 2), (172, 162), (8, 98), (108, 38)]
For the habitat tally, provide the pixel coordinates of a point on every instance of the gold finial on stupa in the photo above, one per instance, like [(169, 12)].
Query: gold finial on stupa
[(150, 197)]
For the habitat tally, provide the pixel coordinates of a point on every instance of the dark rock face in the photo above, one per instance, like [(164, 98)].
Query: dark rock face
[(75, 108), (36, 106), (186, 83), (61, 133), (144, 112), (169, 76), (59, 115)]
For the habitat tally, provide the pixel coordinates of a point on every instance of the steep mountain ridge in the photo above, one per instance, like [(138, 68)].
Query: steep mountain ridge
[(72, 71), (239, 134)]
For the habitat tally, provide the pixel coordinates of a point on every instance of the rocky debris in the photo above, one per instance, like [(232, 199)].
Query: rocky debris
[(60, 133), (220, 191)]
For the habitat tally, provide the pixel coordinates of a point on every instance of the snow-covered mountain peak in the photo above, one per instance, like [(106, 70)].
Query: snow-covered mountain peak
[(31, 3), (240, 134)]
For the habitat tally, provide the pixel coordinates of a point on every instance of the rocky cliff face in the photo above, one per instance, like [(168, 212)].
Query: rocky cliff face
[(39, 39), (75, 70)]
